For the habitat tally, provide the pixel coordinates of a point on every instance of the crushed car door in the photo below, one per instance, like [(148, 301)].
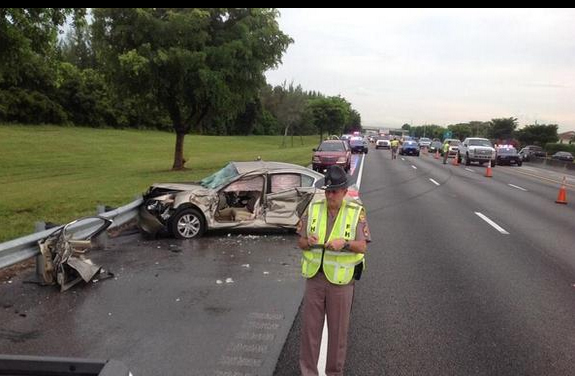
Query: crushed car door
[(286, 200)]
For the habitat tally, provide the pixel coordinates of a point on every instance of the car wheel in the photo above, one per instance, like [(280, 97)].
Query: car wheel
[(492, 163), (458, 156), (467, 162), (519, 163), (187, 224)]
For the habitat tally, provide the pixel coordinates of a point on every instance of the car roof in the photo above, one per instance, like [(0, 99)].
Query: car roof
[(244, 167)]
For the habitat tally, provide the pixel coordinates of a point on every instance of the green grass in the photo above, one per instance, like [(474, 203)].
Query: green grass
[(57, 174)]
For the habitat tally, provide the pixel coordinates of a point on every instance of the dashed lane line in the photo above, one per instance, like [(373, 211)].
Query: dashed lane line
[(493, 224), (518, 187)]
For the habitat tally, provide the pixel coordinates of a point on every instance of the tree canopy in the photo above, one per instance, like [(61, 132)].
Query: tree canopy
[(198, 64)]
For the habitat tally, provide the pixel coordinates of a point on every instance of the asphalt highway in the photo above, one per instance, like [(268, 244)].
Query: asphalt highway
[(466, 275), (446, 292)]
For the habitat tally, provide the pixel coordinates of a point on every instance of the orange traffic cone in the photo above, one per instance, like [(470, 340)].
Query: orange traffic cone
[(562, 196), (437, 154), (455, 161), (488, 172)]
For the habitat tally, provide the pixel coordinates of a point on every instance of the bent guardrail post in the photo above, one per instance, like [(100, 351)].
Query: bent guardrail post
[(20, 249)]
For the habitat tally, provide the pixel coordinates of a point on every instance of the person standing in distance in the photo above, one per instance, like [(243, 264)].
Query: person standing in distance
[(446, 152), (333, 236)]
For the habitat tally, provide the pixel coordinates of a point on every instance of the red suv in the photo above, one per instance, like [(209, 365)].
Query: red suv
[(331, 152)]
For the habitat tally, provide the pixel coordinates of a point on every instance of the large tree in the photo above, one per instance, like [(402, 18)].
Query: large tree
[(196, 63), (28, 63), (330, 114), (538, 134), (502, 129)]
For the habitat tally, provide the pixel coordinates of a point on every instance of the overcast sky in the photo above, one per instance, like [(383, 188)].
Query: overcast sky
[(436, 66)]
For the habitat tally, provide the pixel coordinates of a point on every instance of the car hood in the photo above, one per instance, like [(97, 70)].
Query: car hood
[(179, 186), (477, 147), (329, 154)]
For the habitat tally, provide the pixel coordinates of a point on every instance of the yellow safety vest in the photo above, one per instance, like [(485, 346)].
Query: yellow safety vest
[(338, 267)]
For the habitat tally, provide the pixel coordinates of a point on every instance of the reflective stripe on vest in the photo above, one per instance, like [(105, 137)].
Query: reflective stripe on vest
[(338, 267)]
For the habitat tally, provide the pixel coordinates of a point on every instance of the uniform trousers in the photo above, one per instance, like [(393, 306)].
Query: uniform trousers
[(323, 298)]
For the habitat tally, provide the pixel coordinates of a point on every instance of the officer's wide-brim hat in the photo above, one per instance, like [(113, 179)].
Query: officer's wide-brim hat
[(335, 178)]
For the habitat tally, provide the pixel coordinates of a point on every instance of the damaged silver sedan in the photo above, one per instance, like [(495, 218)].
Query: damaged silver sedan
[(241, 195)]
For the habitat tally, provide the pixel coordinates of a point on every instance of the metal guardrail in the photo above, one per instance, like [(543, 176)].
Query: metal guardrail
[(20, 249)]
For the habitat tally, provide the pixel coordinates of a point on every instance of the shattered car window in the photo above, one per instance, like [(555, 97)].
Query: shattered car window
[(220, 177), (281, 182), (252, 184), (307, 181)]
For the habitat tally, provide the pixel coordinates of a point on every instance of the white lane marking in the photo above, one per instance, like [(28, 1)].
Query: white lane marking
[(433, 181), (518, 187), (493, 224), (322, 360), (360, 172), (468, 169), (412, 166), (529, 169)]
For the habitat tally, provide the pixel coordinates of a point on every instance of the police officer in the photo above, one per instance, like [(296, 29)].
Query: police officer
[(394, 144), (333, 236), (445, 151)]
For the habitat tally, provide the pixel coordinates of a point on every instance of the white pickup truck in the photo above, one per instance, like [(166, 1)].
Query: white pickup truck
[(475, 149)]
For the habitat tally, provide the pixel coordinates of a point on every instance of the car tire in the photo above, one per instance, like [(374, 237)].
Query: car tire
[(519, 163), (492, 163), (458, 156), (187, 224), (467, 162)]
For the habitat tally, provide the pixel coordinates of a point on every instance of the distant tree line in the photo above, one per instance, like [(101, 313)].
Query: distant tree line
[(186, 70), (500, 131)]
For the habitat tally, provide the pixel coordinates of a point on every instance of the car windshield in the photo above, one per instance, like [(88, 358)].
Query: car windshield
[(220, 177), (331, 146), (409, 143), (356, 141), (479, 143)]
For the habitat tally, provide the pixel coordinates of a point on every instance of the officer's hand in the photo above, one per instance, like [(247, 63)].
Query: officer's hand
[(312, 240), (335, 244)]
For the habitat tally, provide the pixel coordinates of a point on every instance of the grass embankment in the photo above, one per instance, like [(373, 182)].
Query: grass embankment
[(57, 174)]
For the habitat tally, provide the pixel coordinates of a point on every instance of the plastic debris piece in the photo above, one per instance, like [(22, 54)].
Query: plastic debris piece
[(229, 280), (246, 265), (266, 273), (178, 299), (219, 281)]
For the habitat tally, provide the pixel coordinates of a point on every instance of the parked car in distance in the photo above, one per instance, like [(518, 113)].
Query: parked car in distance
[(331, 152), (409, 148), (424, 142), (532, 151), (507, 154), (476, 149), (563, 156), (242, 195), (435, 146), (358, 145), (453, 147), (382, 142)]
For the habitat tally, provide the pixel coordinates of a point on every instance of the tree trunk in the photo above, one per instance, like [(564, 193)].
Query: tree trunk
[(179, 160)]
